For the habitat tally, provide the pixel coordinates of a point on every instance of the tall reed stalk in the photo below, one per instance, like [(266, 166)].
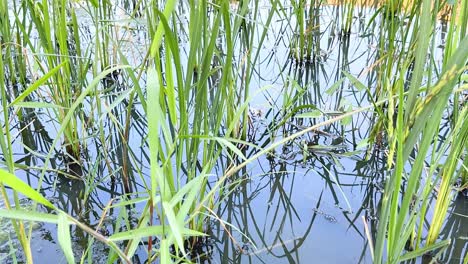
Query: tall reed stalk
[(51, 21), (195, 98), (451, 170), (419, 113), (6, 41)]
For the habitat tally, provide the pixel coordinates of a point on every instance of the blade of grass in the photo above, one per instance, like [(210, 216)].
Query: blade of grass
[(22, 187), (64, 237)]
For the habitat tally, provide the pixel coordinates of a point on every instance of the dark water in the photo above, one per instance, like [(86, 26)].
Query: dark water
[(305, 203)]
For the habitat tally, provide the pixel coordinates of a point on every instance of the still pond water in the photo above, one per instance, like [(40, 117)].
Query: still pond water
[(304, 203)]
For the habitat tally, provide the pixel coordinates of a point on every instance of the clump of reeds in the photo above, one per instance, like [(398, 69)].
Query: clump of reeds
[(191, 122)]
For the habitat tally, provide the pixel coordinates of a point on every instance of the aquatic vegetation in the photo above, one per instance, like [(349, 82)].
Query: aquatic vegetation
[(160, 129)]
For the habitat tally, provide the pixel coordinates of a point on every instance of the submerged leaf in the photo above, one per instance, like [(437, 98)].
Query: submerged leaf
[(149, 231), (355, 82), (311, 114), (334, 87)]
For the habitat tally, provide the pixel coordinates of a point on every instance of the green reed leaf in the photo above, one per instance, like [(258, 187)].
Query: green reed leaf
[(22, 187), (64, 237), (37, 83), (176, 226), (29, 215)]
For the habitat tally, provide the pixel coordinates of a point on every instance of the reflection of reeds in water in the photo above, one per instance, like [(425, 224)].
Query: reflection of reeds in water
[(187, 100)]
